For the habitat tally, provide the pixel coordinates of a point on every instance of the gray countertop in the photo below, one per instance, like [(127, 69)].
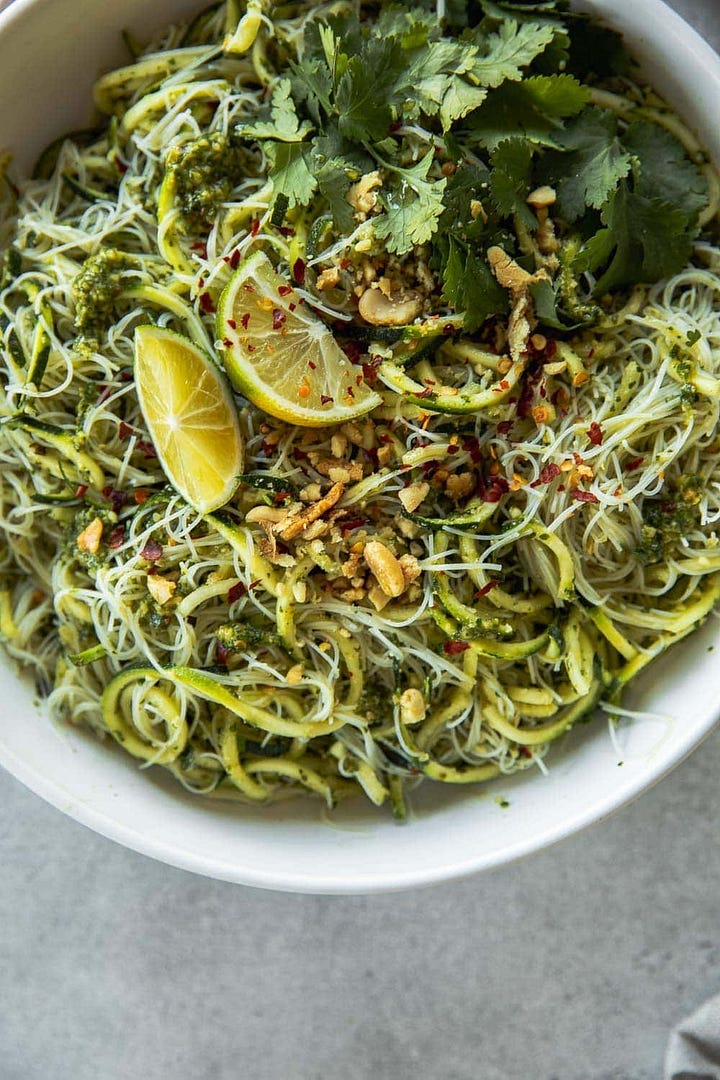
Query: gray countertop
[(571, 965)]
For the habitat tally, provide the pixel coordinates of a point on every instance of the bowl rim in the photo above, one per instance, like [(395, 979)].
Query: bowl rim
[(315, 881)]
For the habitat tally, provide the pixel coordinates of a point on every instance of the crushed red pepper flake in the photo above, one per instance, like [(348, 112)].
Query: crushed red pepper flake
[(115, 497), (595, 434), (206, 303), (299, 271), (152, 551), (236, 592), (117, 537), (549, 473), (585, 496), (353, 523), (454, 648), (146, 448), (124, 430), (486, 588)]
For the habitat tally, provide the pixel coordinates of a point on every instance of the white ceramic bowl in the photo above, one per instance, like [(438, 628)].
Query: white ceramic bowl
[(50, 53)]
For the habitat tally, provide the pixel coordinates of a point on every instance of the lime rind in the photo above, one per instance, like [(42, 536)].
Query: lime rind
[(191, 416), (280, 355)]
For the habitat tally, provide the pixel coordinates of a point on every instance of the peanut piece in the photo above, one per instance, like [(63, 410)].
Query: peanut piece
[(412, 707), (413, 495), (160, 588), (89, 539), (294, 675), (306, 518), (385, 567)]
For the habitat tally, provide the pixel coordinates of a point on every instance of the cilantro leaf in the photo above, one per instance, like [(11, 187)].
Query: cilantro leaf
[(589, 165), (365, 90), (533, 108), (290, 172), (663, 169), (283, 123), (510, 179), (412, 207), (596, 50), (459, 99), (509, 49), (643, 239), (459, 244), (311, 83), (412, 27), (333, 184), (541, 10), (547, 300), (469, 285), (469, 184)]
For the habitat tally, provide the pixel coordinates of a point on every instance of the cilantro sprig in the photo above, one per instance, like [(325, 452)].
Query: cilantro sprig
[(463, 120)]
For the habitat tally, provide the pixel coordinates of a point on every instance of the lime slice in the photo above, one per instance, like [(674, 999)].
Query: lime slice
[(191, 416), (281, 356)]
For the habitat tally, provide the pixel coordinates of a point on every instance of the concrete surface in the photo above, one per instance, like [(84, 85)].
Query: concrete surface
[(572, 965)]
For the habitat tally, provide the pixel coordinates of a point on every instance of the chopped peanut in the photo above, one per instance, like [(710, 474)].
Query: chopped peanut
[(412, 496), (458, 485), (542, 197), (89, 539), (377, 598), (306, 518), (328, 279), (398, 309), (161, 589), (295, 674), (362, 196), (410, 568), (385, 567), (412, 706), (338, 445), (261, 514)]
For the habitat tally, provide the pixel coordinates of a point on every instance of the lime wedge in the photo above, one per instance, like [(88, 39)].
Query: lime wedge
[(281, 356), (191, 416)]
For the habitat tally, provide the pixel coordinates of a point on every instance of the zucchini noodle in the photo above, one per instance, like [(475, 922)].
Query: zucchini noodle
[(555, 511)]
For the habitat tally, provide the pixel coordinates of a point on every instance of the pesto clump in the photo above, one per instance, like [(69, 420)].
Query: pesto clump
[(97, 287), (204, 172), (240, 636), (667, 521)]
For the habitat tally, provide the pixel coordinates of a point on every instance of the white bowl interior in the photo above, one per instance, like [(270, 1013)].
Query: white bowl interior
[(50, 53)]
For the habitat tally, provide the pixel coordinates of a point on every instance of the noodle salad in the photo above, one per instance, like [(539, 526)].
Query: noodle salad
[(360, 402)]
